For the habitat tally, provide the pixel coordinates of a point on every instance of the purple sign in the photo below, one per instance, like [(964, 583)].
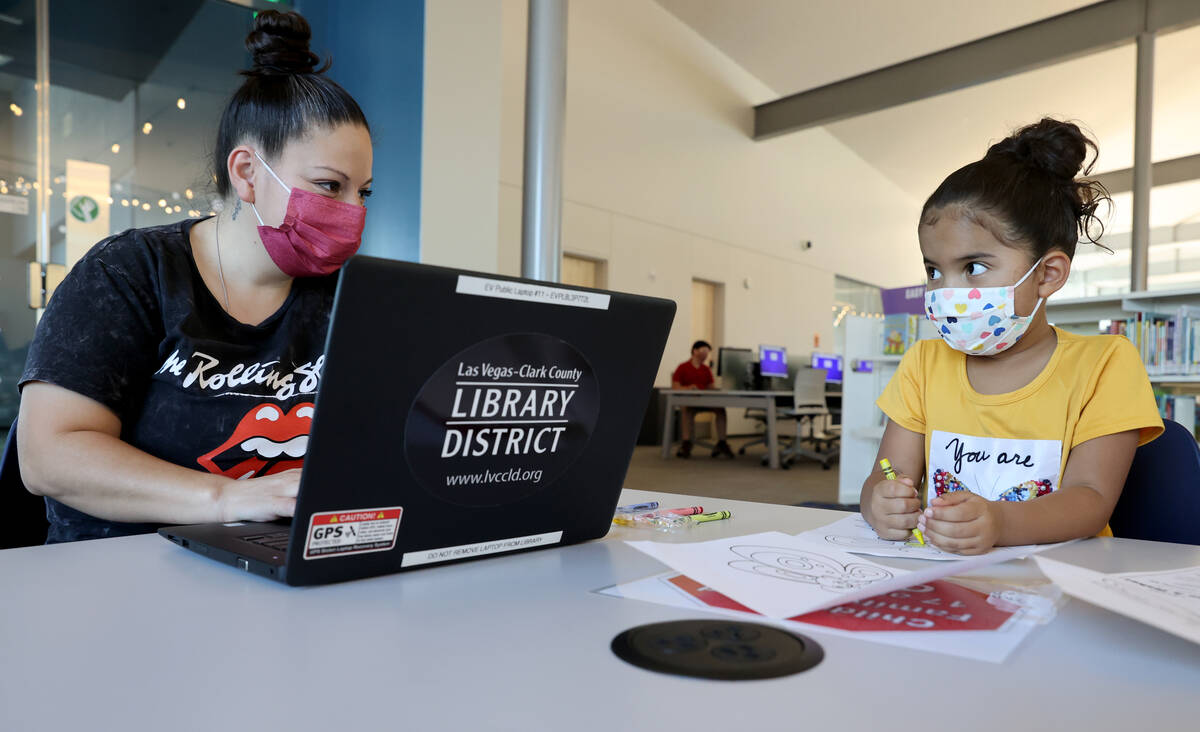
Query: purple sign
[(904, 300)]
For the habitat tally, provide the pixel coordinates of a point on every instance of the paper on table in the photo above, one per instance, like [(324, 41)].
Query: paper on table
[(853, 534), (982, 645), (781, 576), (772, 573), (1168, 600)]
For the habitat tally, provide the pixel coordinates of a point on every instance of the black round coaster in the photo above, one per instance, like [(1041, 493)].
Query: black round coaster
[(717, 649)]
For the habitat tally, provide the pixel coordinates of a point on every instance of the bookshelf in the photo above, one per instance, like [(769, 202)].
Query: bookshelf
[(1164, 325)]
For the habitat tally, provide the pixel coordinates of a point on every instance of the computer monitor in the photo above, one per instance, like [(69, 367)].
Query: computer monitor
[(772, 361), (733, 367), (831, 363)]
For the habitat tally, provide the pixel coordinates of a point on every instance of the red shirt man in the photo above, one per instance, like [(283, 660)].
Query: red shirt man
[(689, 374), (695, 374)]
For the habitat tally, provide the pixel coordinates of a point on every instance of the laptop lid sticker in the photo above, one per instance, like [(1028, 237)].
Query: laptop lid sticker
[(502, 419), (531, 292), (358, 531)]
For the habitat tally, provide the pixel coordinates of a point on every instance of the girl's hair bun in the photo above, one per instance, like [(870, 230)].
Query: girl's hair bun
[(278, 43), (1058, 148)]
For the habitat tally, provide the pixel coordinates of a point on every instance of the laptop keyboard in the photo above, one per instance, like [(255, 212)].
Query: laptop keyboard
[(277, 540)]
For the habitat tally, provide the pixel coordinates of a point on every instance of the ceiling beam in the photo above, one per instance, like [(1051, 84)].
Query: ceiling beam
[(1166, 172), (1081, 32)]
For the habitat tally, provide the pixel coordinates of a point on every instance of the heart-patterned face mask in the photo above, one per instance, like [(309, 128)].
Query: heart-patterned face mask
[(979, 321)]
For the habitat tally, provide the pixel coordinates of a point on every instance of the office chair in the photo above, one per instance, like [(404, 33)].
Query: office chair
[(25, 514), (1161, 499), (808, 403)]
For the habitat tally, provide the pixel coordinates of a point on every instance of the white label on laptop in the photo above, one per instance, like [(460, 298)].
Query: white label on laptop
[(506, 290), (338, 533), (466, 551)]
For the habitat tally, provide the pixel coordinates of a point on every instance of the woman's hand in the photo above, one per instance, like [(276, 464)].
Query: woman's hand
[(961, 522), (260, 499), (894, 509)]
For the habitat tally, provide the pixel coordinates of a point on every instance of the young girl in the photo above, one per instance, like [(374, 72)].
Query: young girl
[(173, 375), (1024, 433)]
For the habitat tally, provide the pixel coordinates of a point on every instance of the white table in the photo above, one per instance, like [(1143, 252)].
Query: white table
[(138, 634), (765, 400)]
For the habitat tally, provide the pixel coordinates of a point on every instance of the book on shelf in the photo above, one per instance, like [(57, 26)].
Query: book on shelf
[(1169, 343), (900, 331), (1178, 407)]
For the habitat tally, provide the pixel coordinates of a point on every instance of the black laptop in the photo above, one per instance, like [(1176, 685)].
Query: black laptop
[(460, 415)]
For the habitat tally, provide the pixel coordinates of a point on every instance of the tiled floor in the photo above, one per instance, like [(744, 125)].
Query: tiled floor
[(742, 479)]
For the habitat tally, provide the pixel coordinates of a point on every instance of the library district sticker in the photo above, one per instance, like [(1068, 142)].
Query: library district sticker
[(337, 533)]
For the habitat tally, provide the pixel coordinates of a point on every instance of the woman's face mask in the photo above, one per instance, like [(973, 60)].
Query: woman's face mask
[(979, 321), (318, 234)]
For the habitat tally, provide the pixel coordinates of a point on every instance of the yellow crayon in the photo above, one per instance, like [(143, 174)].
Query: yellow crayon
[(890, 474)]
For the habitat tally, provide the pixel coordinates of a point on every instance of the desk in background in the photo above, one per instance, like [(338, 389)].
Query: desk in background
[(765, 400), (139, 634)]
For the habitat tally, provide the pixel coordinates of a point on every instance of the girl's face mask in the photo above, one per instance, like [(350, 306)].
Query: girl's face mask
[(317, 236), (979, 321)]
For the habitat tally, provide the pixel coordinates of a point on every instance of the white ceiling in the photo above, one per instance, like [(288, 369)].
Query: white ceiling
[(793, 45)]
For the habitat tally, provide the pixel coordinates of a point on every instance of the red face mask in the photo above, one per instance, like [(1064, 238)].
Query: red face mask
[(317, 236)]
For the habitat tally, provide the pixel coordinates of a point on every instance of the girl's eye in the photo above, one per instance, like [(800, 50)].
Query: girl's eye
[(365, 193), (933, 273), (332, 186), (976, 268)]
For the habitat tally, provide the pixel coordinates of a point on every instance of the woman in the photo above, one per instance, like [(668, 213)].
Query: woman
[(172, 377)]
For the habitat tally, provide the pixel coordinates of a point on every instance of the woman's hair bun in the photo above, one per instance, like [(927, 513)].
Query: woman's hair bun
[(278, 43), (1059, 148)]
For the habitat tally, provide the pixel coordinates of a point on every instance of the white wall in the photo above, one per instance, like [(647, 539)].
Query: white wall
[(663, 181), (460, 137)]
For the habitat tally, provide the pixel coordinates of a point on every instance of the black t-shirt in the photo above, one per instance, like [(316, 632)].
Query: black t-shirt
[(134, 327)]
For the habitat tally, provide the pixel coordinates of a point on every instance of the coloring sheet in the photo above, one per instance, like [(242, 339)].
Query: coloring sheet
[(772, 573), (781, 576), (1168, 600), (853, 534), (994, 644)]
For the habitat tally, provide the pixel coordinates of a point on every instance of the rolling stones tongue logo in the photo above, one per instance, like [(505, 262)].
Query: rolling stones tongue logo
[(267, 440)]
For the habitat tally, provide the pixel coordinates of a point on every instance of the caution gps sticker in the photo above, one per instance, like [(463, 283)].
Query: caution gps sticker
[(502, 419), (337, 533)]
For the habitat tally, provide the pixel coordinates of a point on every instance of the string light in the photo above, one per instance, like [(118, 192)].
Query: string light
[(136, 203), (181, 103), (110, 200), (125, 202), (145, 207), (17, 111), (116, 148), (162, 203), (188, 192), (146, 128)]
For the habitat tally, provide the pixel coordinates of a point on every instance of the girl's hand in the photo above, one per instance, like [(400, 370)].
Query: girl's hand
[(961, 522), (895, 508)]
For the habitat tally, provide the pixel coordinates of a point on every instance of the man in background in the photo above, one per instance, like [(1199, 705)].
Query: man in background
[(695, 374)]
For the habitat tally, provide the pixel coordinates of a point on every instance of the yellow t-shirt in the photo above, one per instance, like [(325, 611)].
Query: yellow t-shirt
[(1014, 446)]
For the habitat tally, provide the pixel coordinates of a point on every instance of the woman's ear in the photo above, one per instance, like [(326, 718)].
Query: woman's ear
[(1055, 269), (240, 164)]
